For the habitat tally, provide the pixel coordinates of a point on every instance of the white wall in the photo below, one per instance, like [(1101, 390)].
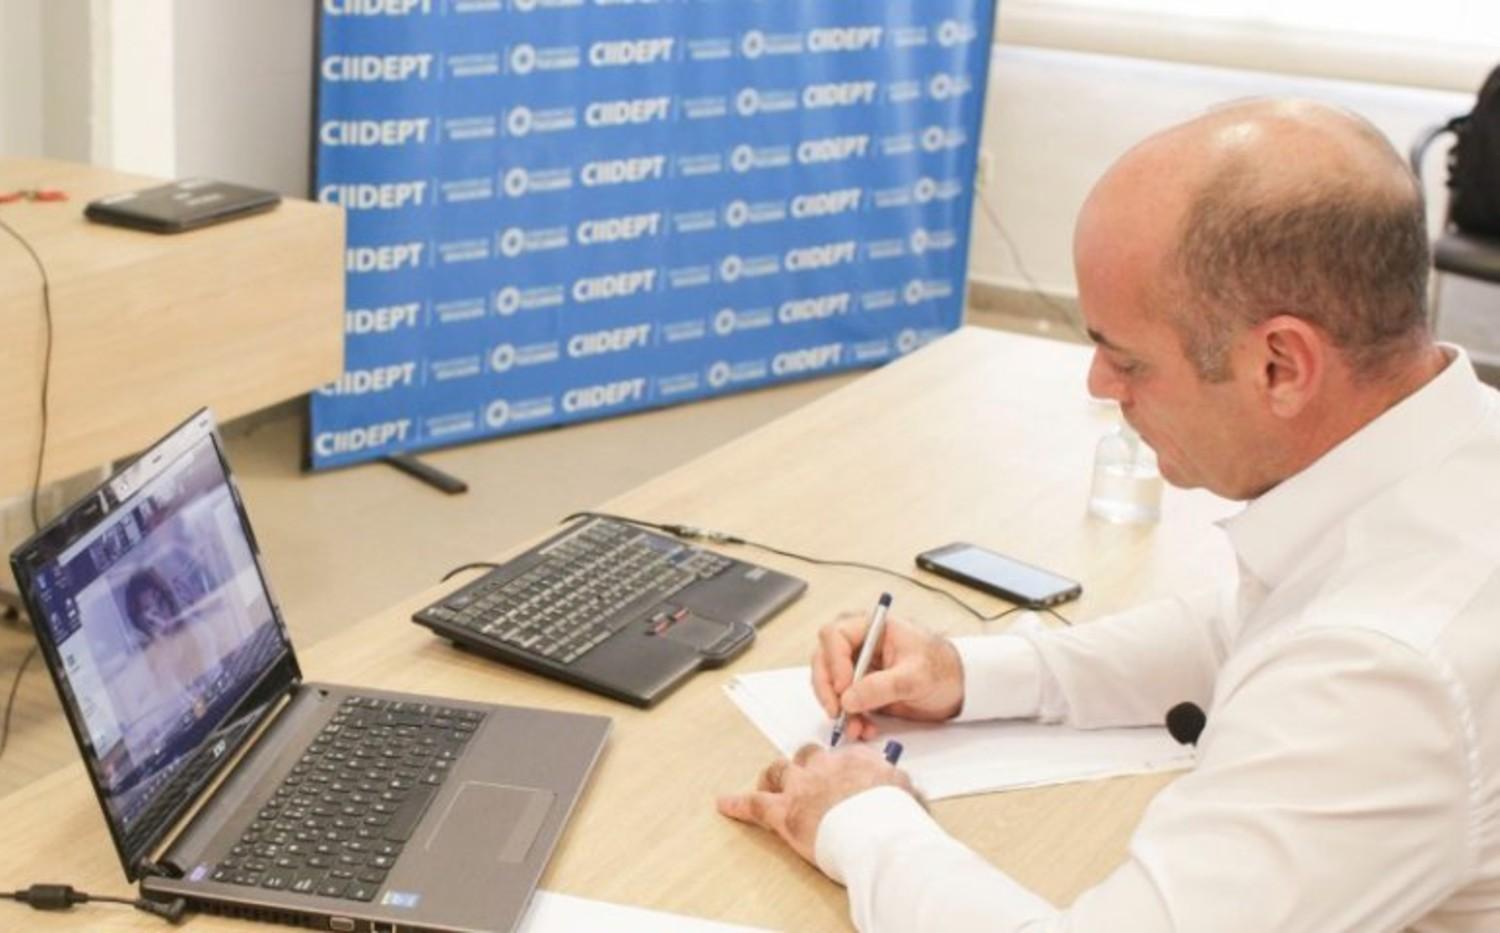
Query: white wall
[(244, 91), (135, 123), (45, 78), (1054, 121), (20, 77)]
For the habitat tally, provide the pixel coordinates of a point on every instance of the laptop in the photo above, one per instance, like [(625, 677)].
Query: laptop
[(230, 782)]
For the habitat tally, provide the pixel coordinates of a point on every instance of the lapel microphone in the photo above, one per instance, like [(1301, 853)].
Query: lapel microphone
[(1186, 721)]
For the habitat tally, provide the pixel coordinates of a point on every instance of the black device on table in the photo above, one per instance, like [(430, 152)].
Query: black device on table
[(1002, 576), (339, 808), (181, 205), (614, 608)]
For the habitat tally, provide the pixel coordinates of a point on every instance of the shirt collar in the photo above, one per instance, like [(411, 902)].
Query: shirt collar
[(1272, 534)]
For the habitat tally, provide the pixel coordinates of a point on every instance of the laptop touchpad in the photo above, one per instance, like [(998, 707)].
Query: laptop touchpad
[(492, 819)]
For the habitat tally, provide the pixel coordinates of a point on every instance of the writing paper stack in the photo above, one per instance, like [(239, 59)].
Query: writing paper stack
[(956, 759)]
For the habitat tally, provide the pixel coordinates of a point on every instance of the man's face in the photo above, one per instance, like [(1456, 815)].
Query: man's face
[(1204, 433)]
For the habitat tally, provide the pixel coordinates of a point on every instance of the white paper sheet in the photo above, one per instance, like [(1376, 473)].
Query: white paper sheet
[(954, 759), (563, 913)]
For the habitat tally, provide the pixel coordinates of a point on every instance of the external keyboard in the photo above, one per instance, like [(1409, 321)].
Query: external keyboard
[(614, 607), (568, 604)]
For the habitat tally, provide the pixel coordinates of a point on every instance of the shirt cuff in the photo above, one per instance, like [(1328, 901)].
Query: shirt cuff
[(1002, 677), (855, 828)]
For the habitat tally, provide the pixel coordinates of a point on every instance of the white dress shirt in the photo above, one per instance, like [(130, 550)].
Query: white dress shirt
[(1349, 775)]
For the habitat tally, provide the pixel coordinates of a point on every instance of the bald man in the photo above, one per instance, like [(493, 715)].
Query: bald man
[(1254, 283)]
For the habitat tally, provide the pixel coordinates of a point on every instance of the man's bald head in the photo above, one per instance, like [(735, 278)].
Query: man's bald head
[(1263, 208)]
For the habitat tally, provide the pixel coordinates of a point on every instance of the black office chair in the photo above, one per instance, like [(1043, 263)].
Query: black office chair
[(1455, 251)]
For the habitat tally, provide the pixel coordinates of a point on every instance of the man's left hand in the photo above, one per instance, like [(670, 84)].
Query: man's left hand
[(791, 797)]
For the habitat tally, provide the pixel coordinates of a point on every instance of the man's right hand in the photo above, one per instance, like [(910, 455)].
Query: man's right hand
[(914, 674)]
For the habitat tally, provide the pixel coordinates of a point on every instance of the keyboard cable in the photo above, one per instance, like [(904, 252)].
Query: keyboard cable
[(694, 533)]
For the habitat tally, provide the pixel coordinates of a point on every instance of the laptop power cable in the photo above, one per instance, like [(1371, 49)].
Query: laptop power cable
[(65, 896)]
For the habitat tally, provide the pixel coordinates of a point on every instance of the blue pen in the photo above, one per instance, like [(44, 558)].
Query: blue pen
[(866, 655), (892, 752)]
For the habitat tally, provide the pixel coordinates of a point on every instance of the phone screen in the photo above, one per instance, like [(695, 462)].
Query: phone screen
[(1001, 573)]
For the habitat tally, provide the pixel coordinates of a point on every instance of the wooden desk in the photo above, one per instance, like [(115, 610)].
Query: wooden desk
[(982, 436), (149, 328)]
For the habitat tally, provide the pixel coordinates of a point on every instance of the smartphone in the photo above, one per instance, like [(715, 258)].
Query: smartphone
[(999, 575)]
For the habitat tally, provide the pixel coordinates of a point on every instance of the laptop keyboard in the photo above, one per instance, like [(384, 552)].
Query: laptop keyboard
[(341, 817), (577, 596)]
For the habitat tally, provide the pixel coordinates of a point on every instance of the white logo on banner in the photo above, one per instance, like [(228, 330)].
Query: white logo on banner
[(508, 300), (369, 68), (747, 102), (613, 340), (518, 122), (951, 32), (627, 112), (619, 229), (808, 360), (718, 375), (832, 149), (522, 59), (742, 159), (386, 197), (517, 180), (820, 308), (369, 437), (381, 320), (822, 256), (845, 39), (606, 395), (376, 7), (731, 268), (737, 213), (827, 203), (615, 285), (374, 132), (631, 52), (502, 358), (914, 292), (627, 171), (497, 414), (513, 242), (724, 322), (391, 258), (367, 381)]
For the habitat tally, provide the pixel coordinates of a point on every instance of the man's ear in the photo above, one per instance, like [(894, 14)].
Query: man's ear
[(1292, 362)]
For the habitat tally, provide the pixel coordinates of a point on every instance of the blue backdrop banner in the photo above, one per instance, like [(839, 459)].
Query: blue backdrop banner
[(566, 209)]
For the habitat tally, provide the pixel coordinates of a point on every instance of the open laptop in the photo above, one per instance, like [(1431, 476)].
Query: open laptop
[(316, 804)]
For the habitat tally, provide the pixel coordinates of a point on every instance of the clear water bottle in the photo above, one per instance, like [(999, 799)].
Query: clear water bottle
[(1127, 484)]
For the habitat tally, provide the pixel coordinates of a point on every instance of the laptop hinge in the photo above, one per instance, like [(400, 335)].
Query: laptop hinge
[(150, 869)]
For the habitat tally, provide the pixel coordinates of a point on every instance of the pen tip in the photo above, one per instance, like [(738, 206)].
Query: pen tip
[(885, 599)]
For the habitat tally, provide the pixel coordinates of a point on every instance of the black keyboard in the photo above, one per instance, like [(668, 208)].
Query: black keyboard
[(341, 816), (568, 604), (615, 608)]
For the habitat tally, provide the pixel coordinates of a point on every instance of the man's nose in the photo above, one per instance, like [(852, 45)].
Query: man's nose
[(1103, 383)]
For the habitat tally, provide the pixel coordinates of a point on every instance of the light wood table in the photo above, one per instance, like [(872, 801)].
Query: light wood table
[(981, 436), (148, 328)]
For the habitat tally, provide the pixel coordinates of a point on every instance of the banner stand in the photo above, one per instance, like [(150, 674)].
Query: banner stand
[(438, 479)]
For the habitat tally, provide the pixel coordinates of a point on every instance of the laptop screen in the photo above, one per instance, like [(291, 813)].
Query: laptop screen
[(159, 625)]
